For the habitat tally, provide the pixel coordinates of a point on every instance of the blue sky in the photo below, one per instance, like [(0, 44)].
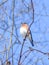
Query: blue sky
[(39, 29)]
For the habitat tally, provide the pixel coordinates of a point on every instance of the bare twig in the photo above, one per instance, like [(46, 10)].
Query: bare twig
[(3, 3), (25, 57), (32, 5), (21, 51), (32, 49), (13, 7), (6, 52)]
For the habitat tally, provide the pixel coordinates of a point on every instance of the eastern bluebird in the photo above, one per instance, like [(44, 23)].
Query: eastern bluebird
[(24, 30)]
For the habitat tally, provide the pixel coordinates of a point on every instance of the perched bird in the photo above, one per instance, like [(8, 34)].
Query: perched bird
[(25, 31)]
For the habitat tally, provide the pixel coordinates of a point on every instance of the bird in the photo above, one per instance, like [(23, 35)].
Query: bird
[(26, 32)]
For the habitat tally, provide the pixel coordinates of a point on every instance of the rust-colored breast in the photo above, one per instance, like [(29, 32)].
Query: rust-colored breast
[(25, 26)]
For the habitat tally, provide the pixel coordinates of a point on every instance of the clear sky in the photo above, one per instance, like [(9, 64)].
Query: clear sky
[(39, 29)]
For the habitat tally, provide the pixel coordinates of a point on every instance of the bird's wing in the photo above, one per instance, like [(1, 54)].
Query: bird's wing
[(30, 38)]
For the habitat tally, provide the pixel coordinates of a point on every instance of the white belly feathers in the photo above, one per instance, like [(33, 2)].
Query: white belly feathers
[(23, 31)]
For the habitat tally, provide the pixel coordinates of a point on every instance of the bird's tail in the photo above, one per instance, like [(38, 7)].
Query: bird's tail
[(31, 39), (32, 42)]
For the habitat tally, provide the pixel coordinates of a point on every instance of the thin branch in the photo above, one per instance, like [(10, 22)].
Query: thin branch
[(13, 7), (6, 52), (25, 57), (32, 5), (3, 3), (9, 58), (31, 49), (21, 52)]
